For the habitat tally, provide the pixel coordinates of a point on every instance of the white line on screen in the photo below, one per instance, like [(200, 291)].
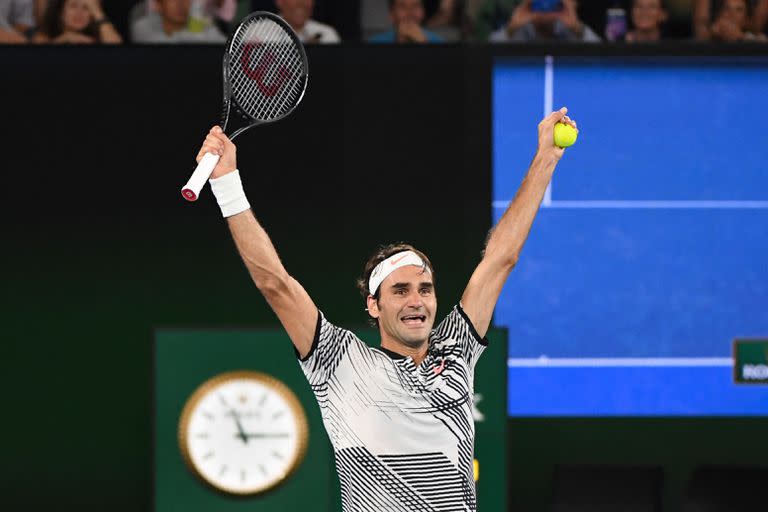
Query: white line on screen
[(559, 362), (549, 87), (650, 205)]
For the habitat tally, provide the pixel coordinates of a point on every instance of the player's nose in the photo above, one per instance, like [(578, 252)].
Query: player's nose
[(415, 300)]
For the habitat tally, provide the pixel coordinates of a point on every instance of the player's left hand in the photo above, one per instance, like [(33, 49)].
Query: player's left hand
[(547, 133)]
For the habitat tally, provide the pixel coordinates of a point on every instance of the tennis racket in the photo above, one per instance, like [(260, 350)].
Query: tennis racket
[(265, 76)]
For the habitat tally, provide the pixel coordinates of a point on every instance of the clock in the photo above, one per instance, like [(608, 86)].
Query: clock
[(243, 432)]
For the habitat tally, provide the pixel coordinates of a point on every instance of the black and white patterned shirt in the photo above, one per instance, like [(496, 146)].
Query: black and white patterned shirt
[(403, 435)]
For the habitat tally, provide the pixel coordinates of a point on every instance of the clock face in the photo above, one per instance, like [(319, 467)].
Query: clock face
[(243, 432)]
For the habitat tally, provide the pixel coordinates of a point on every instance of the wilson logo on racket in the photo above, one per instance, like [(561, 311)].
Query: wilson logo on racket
[(258, 72), (265, 75)]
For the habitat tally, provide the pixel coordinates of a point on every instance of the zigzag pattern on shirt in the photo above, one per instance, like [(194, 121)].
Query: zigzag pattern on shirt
[(435, 478), (382, 413), (456, 326), (331, 346), (368, 485), (425, 482)]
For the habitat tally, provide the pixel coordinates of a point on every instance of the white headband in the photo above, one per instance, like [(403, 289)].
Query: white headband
[(391, 264)]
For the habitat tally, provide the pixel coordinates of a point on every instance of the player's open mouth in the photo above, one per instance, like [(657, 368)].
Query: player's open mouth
[(414, 319)]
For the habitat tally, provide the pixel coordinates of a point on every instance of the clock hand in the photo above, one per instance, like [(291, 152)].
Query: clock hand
[(240, 432), (260, 435)]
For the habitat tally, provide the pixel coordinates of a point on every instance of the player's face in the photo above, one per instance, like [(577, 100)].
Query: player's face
[(406, 306), (407, 11), (75, 15), (295, 12)]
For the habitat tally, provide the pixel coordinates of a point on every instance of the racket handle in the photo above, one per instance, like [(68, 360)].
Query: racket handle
[(207, 164)]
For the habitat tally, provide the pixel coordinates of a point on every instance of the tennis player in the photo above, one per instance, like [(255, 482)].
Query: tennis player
[(399, 416)]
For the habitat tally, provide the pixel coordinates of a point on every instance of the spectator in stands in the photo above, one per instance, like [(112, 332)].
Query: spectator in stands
[(222, 14), (489, 15), (407, 17), (526, 25), (732, 20), (701, 19), (647, 18), (297, 13), (448, 19), (171, 24), (761, 17), (76, 22), (16, 19)]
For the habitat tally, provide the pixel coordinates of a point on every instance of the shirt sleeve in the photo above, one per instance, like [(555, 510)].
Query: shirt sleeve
[(329, 347), (457, 327)]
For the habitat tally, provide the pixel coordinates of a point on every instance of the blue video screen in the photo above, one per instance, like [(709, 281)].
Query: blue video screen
[(649, 255)]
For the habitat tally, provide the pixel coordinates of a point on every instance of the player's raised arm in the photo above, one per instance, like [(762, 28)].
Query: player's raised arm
[(508, 236), (285, 295)]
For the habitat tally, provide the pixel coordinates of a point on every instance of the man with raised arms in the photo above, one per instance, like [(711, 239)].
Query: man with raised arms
[(399, 416)]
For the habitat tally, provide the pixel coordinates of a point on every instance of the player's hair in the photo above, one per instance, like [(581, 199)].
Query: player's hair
[(383, 252)]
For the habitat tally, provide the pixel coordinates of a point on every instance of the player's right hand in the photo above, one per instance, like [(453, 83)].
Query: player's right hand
[(218, 143)]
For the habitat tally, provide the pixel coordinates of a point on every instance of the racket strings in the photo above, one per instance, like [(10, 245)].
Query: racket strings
[(286, 54), (283, 51), (267, 71), (287, 94)]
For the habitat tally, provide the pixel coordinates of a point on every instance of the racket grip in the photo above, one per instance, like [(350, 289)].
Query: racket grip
[(192, 189)]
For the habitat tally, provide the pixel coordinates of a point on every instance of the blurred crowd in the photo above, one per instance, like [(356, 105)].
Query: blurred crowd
[(386, 21)]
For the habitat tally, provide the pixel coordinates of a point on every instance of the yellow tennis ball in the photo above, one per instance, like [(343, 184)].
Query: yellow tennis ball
[(565, 135)]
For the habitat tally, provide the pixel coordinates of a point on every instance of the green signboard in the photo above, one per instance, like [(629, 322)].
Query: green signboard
[(189, 361), (750, 357)]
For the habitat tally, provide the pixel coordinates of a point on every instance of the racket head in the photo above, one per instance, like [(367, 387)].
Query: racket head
[(265, 70)]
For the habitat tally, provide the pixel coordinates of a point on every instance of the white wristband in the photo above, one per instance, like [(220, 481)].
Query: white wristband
[(229, 194)]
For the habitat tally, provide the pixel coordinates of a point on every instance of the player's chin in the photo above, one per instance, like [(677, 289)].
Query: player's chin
[(415, 334)]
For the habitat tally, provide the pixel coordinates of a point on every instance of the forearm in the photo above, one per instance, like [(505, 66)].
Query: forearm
[(108, 34), (11, 36), (257, 252), (509, 234)]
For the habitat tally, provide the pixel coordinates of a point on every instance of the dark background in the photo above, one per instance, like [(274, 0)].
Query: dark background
[(390, 144)]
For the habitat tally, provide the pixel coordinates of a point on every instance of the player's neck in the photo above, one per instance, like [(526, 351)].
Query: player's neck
[(416, 353)]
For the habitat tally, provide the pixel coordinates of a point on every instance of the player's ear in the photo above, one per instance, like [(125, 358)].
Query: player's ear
[(373, 307)]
